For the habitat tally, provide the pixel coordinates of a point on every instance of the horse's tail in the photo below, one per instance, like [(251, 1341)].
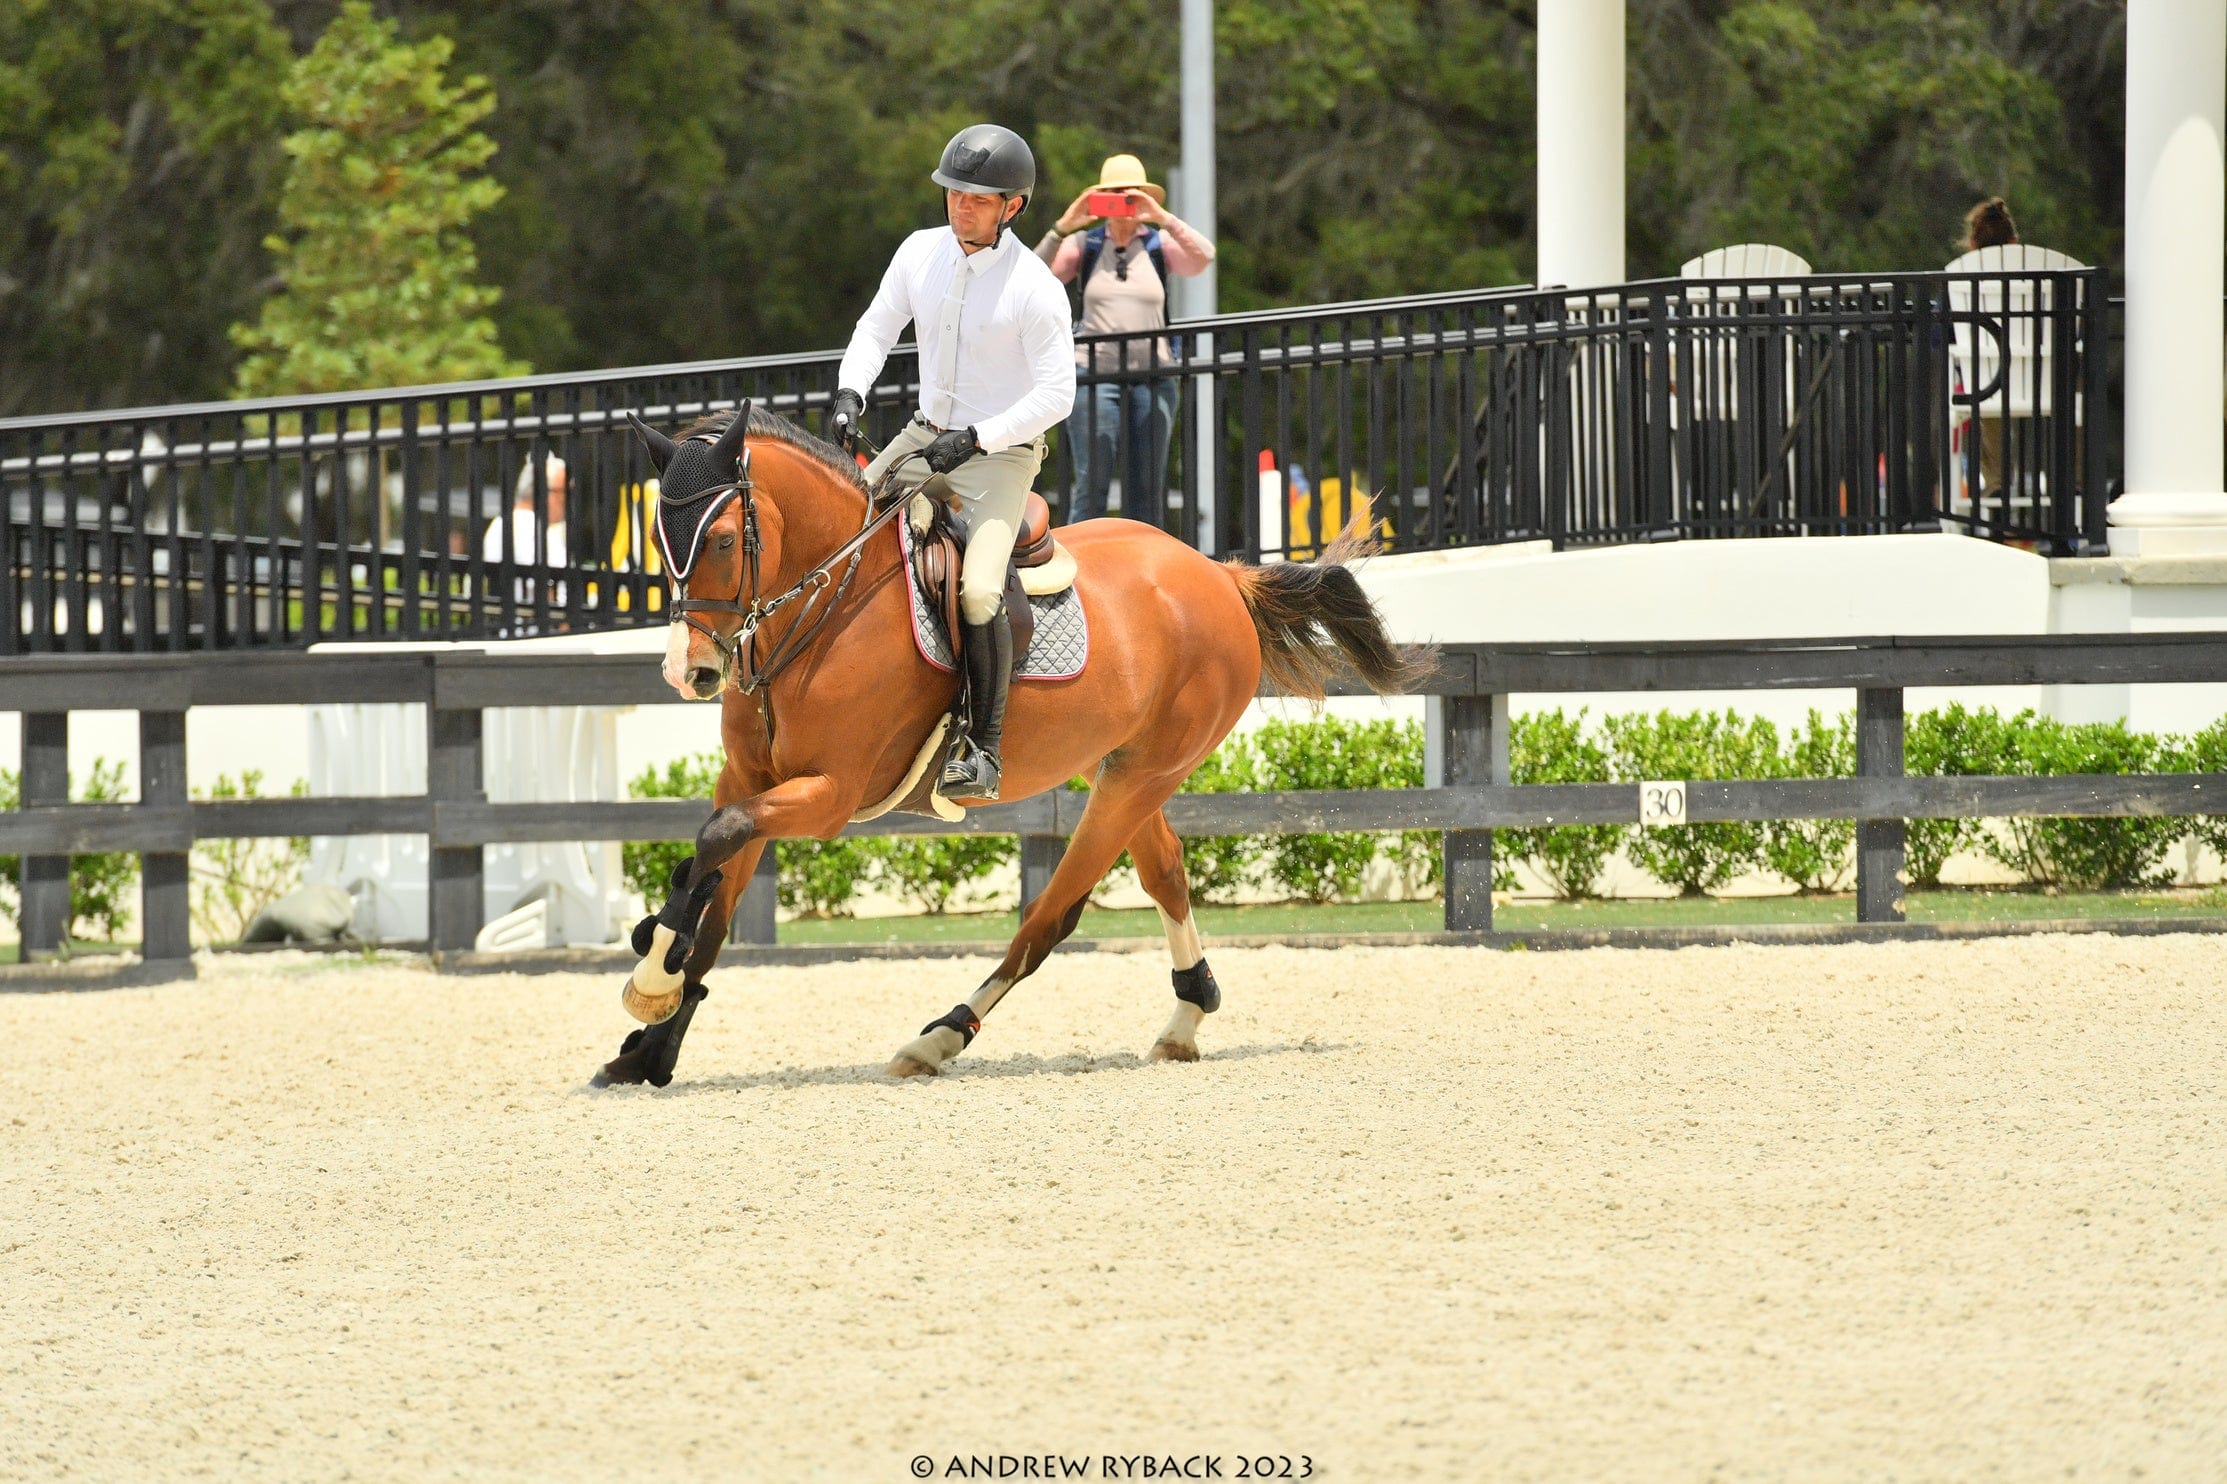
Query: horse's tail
[(1313, 615)]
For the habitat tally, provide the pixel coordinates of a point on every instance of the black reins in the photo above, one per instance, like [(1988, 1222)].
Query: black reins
[(739, 653)]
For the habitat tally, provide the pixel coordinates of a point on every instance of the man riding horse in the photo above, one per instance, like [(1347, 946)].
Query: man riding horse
[(791, 592), (997, 368)]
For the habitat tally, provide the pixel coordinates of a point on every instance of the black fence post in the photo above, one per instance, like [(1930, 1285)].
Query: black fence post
[(754, 910), (1879, 842), (164, 904), (1473, 744), (456, 898), (46, 878), (1040, 856)]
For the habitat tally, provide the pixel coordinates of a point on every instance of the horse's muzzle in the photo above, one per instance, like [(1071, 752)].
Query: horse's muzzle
[(704, 681)]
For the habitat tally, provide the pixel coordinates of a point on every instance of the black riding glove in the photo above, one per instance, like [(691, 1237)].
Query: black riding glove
[(951, 449), (842, 423)]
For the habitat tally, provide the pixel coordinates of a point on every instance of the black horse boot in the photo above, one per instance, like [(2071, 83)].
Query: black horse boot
[(649, 1052), (987, 650)]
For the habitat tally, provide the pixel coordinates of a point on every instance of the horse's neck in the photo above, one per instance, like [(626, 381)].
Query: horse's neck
[(820, 510)]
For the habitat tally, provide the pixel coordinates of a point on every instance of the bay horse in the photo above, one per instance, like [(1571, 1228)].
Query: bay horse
[(790, 602)]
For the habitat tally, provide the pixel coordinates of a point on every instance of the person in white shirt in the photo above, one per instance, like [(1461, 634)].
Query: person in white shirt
[(997, 369), (524, 550)]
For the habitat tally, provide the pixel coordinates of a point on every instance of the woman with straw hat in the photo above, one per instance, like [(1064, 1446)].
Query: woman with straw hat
[(1119, 242)]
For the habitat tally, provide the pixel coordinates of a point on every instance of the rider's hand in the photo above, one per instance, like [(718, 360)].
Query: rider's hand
[(950, 450), (842, 423), (1076, 217)]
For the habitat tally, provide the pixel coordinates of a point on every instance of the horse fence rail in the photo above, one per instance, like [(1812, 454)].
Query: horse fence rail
[(1469, 796)]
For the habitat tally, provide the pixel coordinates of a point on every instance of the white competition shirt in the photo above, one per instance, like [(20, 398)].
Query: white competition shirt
[(997, 352)]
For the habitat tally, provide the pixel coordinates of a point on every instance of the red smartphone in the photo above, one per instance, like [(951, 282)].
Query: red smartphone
[(1110, 203)]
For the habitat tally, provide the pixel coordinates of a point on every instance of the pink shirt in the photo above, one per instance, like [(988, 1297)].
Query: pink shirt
[(1113, 302)]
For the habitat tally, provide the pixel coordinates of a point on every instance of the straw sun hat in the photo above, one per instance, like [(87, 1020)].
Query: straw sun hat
[(1126, 172)]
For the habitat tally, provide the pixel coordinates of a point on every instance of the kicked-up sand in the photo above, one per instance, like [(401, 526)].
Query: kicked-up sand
[(1912, 1211)]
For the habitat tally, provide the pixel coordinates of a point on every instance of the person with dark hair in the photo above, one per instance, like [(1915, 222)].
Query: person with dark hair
[(1989, 225)]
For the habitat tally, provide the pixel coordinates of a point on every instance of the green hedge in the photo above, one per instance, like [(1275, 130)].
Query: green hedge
[(819, 878), (1556, 747), (101, 885)]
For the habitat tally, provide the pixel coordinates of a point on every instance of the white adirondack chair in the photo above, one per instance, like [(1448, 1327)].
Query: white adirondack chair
[(1746, 260), (2022, 308), (2023, 305), (1742, 260)]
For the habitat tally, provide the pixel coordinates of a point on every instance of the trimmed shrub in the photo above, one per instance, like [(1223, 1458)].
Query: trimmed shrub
[(1695, 858), (1220, 866), (817, 877), (1331, 753), (233, 880), (1551, 747), (1815, 854), (101, 885), (2093, 852), (647, 865), (2206, 752), (929, 869), (1953, 742)]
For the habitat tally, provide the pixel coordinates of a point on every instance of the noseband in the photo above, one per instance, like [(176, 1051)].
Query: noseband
[(738, 653)]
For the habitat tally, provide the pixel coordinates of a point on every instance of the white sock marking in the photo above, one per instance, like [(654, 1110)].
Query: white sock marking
[(1183, 939)]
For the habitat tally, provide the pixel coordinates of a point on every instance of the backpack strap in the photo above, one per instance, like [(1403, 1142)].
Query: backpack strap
[(1094, 243)]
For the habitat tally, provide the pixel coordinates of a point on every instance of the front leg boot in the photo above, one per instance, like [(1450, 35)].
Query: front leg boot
[(649, 1054), (653, 991)]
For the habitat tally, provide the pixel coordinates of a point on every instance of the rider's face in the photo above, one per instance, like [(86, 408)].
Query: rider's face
[(975, 218)]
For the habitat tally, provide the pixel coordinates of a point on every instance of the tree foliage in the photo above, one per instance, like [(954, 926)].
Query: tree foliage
[(693, 178), (378, 273)]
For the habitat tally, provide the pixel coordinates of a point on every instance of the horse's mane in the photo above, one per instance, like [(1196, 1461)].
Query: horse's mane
[(773, 425)]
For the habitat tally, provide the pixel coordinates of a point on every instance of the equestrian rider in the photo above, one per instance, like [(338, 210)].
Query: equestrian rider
[(997, 368)]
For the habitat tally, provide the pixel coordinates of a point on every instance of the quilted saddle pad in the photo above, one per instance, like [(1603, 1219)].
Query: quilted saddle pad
[(1058, 652)]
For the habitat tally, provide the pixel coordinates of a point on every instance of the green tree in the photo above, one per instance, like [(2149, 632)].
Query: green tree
[(378, 272), (138, 164), (1855, 134)]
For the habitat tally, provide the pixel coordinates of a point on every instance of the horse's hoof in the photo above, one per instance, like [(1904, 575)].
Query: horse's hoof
[(929, 1053), (633, 1066), (1175, 1051), (651, 1009)]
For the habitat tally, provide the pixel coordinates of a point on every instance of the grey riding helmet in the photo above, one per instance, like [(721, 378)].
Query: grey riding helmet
[(987, 160)]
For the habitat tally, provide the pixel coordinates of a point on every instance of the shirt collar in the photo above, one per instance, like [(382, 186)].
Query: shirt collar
[(979, 263)]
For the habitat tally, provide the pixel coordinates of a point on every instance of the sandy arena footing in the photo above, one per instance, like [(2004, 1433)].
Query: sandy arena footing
[(1908, 1210)]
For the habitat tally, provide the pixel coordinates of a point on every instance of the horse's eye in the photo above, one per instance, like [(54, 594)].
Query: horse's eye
[(726, 543)]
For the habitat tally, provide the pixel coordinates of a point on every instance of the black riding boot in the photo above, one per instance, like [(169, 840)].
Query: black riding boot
[(987, 651)]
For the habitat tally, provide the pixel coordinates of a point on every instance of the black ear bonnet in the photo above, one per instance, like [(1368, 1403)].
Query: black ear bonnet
[(697, 480)]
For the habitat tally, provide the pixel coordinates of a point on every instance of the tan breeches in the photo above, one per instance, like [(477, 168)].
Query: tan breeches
[(991, 488)]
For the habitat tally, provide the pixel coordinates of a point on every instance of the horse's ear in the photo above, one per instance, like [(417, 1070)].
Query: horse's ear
[(660, 446), (727, 452)]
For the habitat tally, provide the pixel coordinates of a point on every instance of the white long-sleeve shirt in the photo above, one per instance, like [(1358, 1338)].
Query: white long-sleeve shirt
[(996, 350)]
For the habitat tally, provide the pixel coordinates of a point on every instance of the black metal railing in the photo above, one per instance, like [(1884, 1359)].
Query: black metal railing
[(1678, 408)]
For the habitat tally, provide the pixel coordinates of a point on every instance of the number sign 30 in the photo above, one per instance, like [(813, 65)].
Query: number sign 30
[(1662, 804)]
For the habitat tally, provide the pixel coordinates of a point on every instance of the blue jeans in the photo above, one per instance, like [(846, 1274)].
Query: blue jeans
[(1133, 422)]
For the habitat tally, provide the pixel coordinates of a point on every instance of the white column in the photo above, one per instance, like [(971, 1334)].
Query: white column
[(2176, 215), (1581, 142)]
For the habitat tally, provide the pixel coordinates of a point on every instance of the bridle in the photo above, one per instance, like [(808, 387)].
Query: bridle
[(738, 652)]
